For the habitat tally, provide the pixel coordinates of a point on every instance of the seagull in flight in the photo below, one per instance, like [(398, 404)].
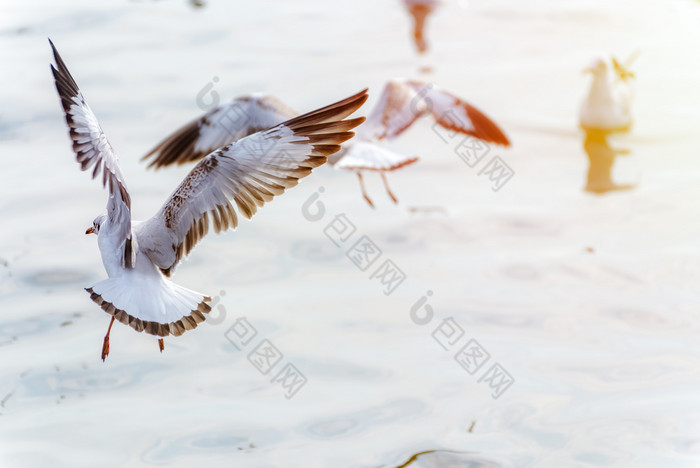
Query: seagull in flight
[(401, 103), (235, 179)]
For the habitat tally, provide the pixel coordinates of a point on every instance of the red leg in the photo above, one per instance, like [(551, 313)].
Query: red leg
[(161, 345), (105, 345), (388, 190), (362, 186)]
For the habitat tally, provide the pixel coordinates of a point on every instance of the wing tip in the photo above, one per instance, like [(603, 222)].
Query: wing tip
[(56, 55)]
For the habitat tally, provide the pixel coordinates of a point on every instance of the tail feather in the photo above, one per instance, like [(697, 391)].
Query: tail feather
[(159, 307)]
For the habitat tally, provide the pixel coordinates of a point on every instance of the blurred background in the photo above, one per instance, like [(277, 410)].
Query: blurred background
[(547, 321)]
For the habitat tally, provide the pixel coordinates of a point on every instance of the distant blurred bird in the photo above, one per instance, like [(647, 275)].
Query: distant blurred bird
[(608, 103), (419, 10), (400, 105), (138, 256)]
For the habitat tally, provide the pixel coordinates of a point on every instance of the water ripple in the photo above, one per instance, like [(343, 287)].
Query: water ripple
[(58, 278), (353, 423), (12, 330), (315, 251), (97, 380)]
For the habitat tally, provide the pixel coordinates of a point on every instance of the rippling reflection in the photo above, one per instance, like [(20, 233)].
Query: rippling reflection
[(601, 157), (448, 459)]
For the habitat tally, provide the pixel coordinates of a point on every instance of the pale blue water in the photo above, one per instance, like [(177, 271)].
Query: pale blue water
[(589, 303)]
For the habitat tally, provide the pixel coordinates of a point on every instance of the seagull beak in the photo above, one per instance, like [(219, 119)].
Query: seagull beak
[(90, 231)]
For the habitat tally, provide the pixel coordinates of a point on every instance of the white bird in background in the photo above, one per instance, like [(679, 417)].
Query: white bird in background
[(607, 106), (400, 105), (138, 255)]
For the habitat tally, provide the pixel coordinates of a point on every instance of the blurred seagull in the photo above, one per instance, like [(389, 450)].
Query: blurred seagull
[(400, 105), (137, 256), (420, 10), (607, 106)]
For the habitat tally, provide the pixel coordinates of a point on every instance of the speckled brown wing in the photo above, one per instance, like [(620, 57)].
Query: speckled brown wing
[(242, 177)]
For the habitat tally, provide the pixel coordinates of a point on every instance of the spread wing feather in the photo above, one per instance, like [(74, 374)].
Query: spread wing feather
[(457, 115), (217, 128), (240, 178), (93, 151)]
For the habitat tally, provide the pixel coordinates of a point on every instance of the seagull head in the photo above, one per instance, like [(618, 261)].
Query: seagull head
[(598, 67), (95, 228)]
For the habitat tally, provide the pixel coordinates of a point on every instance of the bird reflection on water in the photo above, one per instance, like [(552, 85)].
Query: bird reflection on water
[(420, 10), (601, 157)]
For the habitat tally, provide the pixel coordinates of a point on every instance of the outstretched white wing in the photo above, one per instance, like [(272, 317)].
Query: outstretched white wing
[(248, 173), (94, 152), (219, 127)]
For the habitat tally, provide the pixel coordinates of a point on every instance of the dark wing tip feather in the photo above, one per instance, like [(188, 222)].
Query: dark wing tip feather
[(332, 127), (331, 113), (61, 73), (178, 148)]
